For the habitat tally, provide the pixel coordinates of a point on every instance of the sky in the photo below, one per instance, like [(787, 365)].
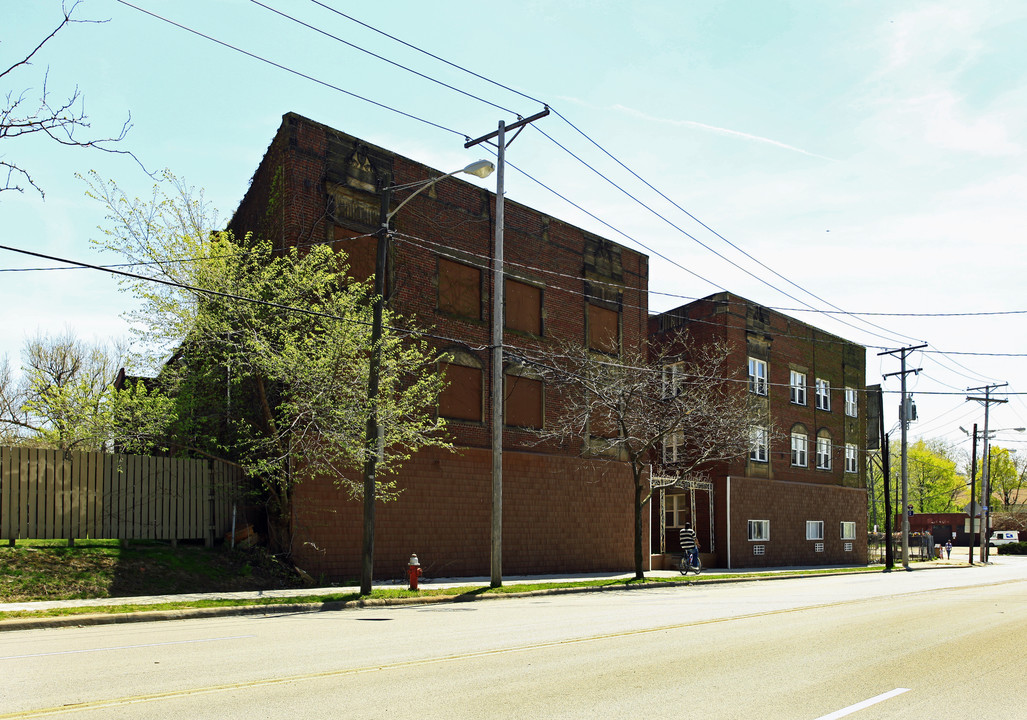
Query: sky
[(814, 157)]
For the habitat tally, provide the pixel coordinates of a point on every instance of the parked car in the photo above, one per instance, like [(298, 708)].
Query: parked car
[(1003, 537)]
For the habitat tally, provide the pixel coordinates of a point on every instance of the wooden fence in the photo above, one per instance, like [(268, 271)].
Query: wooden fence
[(77, 495)]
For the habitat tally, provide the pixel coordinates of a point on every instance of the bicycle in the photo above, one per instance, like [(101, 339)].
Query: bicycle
[(686, 564)]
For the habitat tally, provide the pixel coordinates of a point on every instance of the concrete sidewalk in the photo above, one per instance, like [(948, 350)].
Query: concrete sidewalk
[(257, 596)]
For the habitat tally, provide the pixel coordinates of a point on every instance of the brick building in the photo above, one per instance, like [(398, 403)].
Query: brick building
[(799, 498), (560, 513)]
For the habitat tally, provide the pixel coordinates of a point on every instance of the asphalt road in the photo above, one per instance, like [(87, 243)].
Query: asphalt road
[(927, 644)]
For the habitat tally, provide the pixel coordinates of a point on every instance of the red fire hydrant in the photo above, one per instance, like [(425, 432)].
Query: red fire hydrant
[(413, 571)]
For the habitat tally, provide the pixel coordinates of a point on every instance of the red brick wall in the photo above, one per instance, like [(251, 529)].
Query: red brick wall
[(789, 343), (288, 200), (560, 515), (788, 505)]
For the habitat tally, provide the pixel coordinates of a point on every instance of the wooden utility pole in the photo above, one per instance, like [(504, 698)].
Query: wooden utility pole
[(497, 338), (987, 401), (904, 419)]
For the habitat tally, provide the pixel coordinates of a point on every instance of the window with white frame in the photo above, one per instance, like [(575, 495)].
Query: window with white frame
[(814, 529), (799, 446), (848, 531), (676, 510), (673, 376), (674, 447), (851, 455), (851, 408), (823, 450), (798, 387), (823, 394), (759, 530), (758, 448), (757, 376)]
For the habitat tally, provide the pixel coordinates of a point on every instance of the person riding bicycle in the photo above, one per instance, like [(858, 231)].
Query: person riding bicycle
[(689, 544)]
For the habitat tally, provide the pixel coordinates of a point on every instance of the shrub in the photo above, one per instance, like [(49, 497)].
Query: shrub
[(1019, 548)]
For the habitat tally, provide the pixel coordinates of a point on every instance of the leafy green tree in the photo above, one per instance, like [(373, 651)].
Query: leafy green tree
[(66, 398), (269, 350), (1006, 477), (934, 484)]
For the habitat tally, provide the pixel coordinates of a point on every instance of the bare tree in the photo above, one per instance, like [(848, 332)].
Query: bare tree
[(627, 407), (64, 121)]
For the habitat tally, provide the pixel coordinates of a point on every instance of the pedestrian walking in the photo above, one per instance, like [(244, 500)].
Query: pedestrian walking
[(948, 550)]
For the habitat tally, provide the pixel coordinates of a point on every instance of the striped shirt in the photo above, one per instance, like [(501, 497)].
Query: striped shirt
[(688, 539)]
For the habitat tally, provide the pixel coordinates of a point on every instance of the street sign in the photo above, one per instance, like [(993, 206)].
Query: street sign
[(973, 509)]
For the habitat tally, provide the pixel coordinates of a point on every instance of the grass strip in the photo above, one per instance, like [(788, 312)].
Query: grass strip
[(468, 592)]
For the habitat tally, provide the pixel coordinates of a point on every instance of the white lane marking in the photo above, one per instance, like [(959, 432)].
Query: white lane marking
[(863, 705), (126, 647)]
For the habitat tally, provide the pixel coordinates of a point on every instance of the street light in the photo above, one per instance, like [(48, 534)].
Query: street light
[(374, 437)]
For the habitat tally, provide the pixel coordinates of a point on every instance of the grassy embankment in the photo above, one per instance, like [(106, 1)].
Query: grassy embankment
[(51, 570)]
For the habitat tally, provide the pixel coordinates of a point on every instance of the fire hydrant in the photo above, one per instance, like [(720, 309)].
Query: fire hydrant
[(413, 571)]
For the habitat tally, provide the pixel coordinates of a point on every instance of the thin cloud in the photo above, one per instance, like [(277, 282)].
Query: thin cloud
[(721, 131)]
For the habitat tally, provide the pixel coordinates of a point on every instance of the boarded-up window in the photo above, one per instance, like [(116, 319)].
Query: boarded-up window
[(523, 307), (523, 402), (461, 400), (602, 423), (360, 252), (603, 330), (459, 289)]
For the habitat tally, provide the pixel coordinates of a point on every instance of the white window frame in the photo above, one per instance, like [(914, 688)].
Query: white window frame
[(677, 506), (815, 530), (851, 402), (759, 442), (823, 452), (757, 376), (672, 379), (848, 530), (797, 382), (823, 395), (800, 447), (759, 530), (674, 446), (851, 458)]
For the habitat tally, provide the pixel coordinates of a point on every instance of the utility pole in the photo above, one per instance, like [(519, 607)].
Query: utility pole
[(973, 494), (904, 421), (497, 338), (372, 436), (987, 400), (889, 550), (889, 555)]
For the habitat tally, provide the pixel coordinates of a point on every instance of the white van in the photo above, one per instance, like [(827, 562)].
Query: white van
[(1004, 537)]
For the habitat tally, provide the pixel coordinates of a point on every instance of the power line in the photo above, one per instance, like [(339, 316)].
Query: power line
[(429, 54), (297, 73), (230, 296), (423, 120), (381, 57)]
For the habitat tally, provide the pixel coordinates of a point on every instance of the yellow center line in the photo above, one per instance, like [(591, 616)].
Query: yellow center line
[(398, 665)]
